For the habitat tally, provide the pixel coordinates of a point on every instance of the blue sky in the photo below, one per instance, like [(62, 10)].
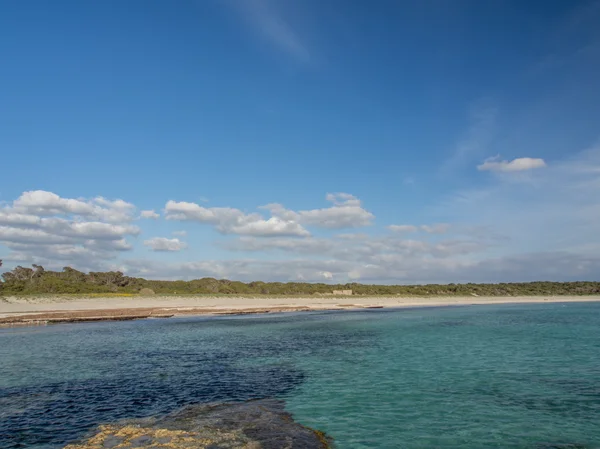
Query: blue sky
[(387, 142)]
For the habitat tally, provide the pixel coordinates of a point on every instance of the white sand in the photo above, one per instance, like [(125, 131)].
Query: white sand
[(13, 306)]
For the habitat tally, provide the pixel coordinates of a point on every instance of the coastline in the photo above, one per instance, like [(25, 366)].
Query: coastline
[(39, 310)]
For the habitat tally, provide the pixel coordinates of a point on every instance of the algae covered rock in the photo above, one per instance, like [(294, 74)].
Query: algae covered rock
[(258, 424)]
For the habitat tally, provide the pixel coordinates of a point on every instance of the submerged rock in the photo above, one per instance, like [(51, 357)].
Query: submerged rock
[(258, 424)]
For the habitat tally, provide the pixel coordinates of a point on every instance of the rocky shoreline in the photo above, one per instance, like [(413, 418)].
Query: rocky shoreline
[(30, 311), (256, 424), (129, 314)]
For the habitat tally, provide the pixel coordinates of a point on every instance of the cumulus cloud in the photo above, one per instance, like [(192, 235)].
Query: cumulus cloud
[(43, 203), (86, 230), (108, 245), (165, 244), (61, 229), (149, 214), (342, 199), (228, 220), (41, 225), (180, 233), (544, 229), (19, 235), (516, 165), (266, 228), (10, 218), (346, 212)]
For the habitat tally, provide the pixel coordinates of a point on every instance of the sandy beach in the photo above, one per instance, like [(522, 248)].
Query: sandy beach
[(49, 309)]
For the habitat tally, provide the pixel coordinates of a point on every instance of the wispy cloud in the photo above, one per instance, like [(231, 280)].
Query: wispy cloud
[(518, 164), (477, 138), (264, 17)]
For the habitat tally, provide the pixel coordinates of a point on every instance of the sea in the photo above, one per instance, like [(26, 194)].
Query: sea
[(486, 376)]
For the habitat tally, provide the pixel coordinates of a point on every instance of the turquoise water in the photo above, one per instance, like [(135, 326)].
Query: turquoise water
[(510, 376)]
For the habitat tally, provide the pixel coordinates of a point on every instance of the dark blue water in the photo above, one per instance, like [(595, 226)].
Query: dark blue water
[(513, 376)]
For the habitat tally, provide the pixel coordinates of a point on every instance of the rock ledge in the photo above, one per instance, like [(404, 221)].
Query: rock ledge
[(258, 424)]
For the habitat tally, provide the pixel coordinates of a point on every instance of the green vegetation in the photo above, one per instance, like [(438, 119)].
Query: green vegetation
[(37, 280)]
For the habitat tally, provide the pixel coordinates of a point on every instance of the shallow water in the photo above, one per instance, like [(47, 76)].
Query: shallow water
[(510, 376)]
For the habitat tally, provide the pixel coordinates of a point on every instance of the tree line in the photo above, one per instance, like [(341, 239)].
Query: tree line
[(37, 280)]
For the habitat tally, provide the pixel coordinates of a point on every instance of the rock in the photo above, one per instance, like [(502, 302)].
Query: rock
[(257, 424), (147, 291)]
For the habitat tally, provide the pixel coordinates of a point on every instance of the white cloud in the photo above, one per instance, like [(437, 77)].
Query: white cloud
[(165, 244), (270, 227), (519, 164), (180, 233), (191, 211), (89, 255), (9, 218), (149, 214), (20, 235), (87, 230), (544, 229), (343, 199), (41, 225), (228, 220), (346, 212), (54, 230), (43, 203), (108, 245)]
